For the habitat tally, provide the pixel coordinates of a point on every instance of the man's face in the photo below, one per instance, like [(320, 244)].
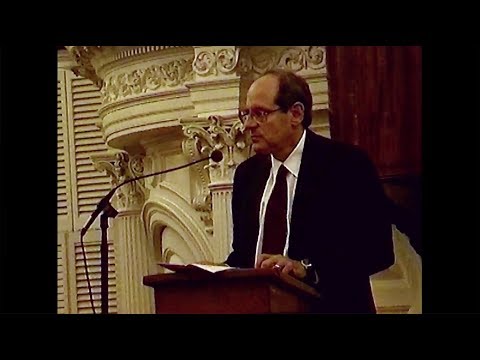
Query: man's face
[(270, 135)]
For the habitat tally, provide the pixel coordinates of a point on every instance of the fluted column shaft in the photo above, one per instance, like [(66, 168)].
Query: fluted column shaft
[(133, 248), (133, 251)]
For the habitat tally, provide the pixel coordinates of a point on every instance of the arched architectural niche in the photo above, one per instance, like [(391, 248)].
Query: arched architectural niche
[(169, 247), (174, 228)]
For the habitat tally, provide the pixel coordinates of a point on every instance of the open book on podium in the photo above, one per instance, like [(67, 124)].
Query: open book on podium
[(196, 268), (212, 289)]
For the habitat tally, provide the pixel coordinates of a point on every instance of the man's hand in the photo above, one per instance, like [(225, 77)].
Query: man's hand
[(285, 264)]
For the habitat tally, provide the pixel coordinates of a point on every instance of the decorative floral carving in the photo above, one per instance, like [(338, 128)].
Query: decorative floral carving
[(200, 142), (203, 63), (229, 139), (83, 57), (84, 68), (146, 80), (136, 165), (121, 167), (212, 62), (259, 60), (293, 59), (227, 60), (315, 57)]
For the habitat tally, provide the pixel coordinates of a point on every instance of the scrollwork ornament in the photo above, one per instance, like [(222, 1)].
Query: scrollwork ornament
[(315, 57), (136, 165), (227, 60), (293, 59), (204, 63), (126, 168)]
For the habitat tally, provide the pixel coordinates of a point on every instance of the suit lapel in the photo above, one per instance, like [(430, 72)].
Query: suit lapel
[(314, 160)]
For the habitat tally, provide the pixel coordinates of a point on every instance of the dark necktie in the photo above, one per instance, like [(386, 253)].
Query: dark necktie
[(275, 225)]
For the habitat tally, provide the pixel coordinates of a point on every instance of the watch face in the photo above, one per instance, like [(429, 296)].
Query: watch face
[(306, 263)]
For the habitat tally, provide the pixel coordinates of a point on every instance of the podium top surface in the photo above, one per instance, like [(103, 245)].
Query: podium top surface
[(233, 274)]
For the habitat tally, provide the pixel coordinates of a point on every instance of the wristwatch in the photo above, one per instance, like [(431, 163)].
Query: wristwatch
[(310, 275), (306, 264)]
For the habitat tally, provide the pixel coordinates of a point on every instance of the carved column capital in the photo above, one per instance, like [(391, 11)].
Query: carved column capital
[(202, 137), (217, 134), (121, 166)]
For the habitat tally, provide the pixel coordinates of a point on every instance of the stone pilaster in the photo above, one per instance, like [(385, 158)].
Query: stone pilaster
[(134, 253)]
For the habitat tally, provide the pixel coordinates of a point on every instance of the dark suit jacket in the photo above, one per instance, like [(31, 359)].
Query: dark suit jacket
[(339, 221)]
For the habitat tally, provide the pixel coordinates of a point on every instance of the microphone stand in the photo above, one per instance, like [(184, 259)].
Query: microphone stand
[(107, 211)]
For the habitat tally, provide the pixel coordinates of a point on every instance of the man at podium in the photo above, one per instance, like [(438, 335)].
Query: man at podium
[(308, 205)]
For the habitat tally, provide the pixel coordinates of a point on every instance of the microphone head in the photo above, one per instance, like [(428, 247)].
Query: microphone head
[(216, 156)]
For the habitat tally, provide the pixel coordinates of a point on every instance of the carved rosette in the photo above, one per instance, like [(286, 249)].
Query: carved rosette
[(259, 59), (122, 167), (223, 61), (151, 79)]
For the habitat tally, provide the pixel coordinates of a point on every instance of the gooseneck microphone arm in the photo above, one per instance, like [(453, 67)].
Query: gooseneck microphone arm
[(107, 211), (216, 156)]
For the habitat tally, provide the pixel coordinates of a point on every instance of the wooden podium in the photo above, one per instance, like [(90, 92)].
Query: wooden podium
[(233, 291)]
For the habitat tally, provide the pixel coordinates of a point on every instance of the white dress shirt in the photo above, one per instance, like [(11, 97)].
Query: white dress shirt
[(292, 164)]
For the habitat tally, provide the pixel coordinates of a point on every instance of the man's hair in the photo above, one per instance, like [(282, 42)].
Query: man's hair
[(292, 88)]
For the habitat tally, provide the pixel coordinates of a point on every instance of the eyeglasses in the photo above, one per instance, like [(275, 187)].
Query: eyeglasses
[(259, 115)]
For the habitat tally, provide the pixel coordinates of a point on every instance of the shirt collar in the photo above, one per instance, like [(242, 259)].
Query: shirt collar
[(292, 163)]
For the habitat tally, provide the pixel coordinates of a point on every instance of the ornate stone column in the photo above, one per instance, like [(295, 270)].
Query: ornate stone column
[(216, 195), (132, 248)]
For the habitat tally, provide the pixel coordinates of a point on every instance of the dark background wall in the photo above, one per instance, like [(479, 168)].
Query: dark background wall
[(375, 95)]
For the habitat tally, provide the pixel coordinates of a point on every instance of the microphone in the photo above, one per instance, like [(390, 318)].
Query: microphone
[(215, 155)]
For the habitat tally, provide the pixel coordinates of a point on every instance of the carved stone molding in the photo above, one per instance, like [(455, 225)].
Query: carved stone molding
[(83, 56), (213, 62), (140, 50), (261, 59), (232, 141), (165, 208), (91, 60), (216, 135), (147, 80), (122, 167)]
